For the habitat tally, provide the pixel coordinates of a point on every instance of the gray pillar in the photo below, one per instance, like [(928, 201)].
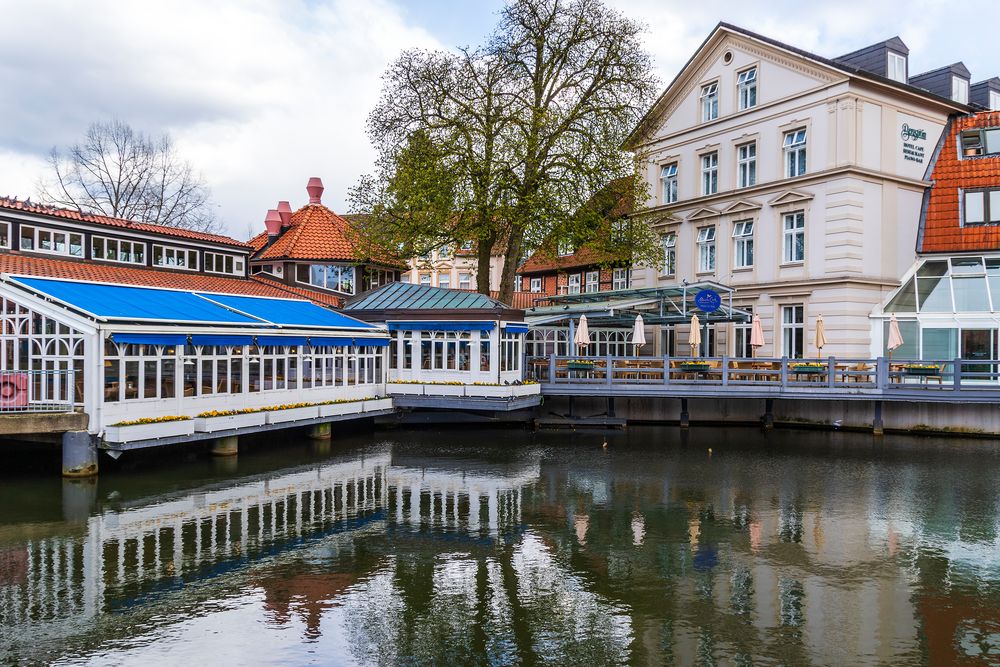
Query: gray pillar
[(228, 446), (877, 426), (321, 431), (768, 418), (79, 499), (685, 421), (79, 454)]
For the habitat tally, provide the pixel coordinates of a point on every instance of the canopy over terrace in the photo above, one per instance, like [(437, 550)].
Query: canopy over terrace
[(617, 310)]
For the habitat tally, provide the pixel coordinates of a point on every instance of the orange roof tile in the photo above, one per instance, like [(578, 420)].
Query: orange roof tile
[(68, 214), (941, 224), (544, 260), (27, 265)]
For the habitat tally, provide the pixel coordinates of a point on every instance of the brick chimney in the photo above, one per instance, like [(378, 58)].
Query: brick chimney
[(272, 221), (315, 189), (285, 211)]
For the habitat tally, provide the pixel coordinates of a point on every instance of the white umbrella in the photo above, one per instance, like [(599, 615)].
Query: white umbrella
[(694, 336), (820, 335), (895, 338), (756, 334), (582, 337), (638, 334)]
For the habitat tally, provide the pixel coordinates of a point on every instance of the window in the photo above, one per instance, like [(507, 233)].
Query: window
[(743, 243), (178, 258), (117, 250), (444, 280), (795, 153), (710, 101), (464, 281), (510, 351), (709, 173), (994, 100), (445, 252), (425, 279), (669, 243), (668, 182), (896, 67), (139, 371), (51, 241), (405, 278), (706, 249), (536, 285), (746, 165), (981, 142), (620, 279), (593, 282), (564, 247), (959, 90), (4, 234), (219, 263), (792, 331), (981, 207), (746, 88), (795, 237), (741, 336), (574, 284), (466, 246), (333, 276)]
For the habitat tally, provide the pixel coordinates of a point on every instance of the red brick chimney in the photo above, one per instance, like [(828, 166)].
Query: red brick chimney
[(315, 189), (285, 211)]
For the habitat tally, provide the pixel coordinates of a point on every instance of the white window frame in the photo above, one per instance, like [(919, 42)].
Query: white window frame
[(105, 241), (793, 227), (741, 336), (959, 90), (994, 100), (212, 257), (447, 279), (746, 88), (573, 284), (67, 241), (424, 279), (5, 234), (564, 247), (535, 285), (668, 183), (709, 101), (620, 279), (464, 280), (895, 66), (669, 244), (171, 251), (710, 173), (343, 274), (743, 244), (988, 206), (746, 164), (706, 249), (792, 320), (592, 282), (794, 152)]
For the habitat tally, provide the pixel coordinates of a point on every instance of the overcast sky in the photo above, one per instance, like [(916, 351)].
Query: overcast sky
[(262, 94)]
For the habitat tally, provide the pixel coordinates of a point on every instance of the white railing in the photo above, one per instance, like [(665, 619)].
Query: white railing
[(38, 391)]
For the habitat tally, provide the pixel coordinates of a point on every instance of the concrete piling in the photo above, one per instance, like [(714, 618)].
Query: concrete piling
[(321, 431), (79, 454), (228, 446)]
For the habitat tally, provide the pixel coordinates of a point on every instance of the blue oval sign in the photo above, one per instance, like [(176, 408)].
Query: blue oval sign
[(708, 300)]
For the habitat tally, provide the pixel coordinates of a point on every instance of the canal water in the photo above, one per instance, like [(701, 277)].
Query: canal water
[(652, 546)]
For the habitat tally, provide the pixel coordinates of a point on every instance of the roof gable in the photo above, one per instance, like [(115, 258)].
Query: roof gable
[(742, 206), (790, 197), (407, 296)]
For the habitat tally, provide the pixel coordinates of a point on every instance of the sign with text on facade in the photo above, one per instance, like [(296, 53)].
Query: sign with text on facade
[(707, 300), (913, 151)]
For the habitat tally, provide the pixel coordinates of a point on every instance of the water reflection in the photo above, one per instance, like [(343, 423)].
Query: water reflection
[(464, 547)]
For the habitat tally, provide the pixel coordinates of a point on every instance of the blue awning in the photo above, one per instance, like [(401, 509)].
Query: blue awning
[(287, 312), (441, 326), (150, 339), (221, 340), (516, 328), (281, 340), (338, 341), (372, 342)]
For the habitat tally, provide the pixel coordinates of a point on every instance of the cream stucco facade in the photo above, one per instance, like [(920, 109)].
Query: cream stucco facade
[(455, 270), (854, 192)]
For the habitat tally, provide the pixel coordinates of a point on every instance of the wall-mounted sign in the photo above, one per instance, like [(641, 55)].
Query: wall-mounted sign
[(912, 151), (707, 300)]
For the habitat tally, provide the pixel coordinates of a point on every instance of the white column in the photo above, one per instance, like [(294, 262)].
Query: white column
[(415, 505), (399, 504), (492, 501), (473, 511), (179, 546)]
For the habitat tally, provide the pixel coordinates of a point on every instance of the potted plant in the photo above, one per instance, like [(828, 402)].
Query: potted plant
[(223, 420), (149, 428), (808, 367), (921, 370), (580, 365), (695, 366)]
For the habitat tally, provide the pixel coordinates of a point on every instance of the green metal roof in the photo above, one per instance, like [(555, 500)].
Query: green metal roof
[(406, 296)]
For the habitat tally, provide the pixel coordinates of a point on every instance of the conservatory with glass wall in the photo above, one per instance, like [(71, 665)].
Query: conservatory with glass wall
[(946, 308), (147, 363)]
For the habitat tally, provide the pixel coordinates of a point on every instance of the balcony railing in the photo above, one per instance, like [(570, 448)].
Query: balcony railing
[(38, 391)]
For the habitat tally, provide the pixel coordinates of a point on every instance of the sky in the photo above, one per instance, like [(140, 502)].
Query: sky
[(259, 95)]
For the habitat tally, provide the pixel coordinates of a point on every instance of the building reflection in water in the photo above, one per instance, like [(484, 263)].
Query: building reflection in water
[(525, 554)]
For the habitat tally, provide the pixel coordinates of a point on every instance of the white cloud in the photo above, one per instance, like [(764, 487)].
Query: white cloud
[(259, 95)]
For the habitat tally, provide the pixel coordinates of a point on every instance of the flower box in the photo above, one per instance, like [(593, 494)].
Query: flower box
[(503, 391), (922, 371), (227, 422), (405, 389), (444, 390), (378, 404), (803, 368), (292, 414), (580, 365), (136, 432), (695, 366), (338, 409)]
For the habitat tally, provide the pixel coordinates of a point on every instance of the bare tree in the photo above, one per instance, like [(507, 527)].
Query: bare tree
[(119, 172)]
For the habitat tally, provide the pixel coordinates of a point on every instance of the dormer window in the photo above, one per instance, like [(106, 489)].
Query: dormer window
[(746, 87), (710, 102), (896, 67), (959, 90), (980, 142), (994, 100), (564, 247)]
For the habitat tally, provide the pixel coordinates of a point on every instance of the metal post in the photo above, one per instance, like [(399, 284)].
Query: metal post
[(552, 367), (666, 369), (877, 420), (784, 373), (609, 370), (768, 414), (685, 421), (881, 374), (725, 371), (611, 406), (957, 374), (831, 370)]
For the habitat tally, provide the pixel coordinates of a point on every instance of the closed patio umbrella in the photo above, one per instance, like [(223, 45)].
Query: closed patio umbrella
[(895, 338), (756, 334), (638, 334), (582, 337), (694, 336), (820, 335)]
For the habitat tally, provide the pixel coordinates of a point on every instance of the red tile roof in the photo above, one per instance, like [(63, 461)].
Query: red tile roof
[(68, 214), (519, 300), (941, 226), (545, 260), (27, 265)]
